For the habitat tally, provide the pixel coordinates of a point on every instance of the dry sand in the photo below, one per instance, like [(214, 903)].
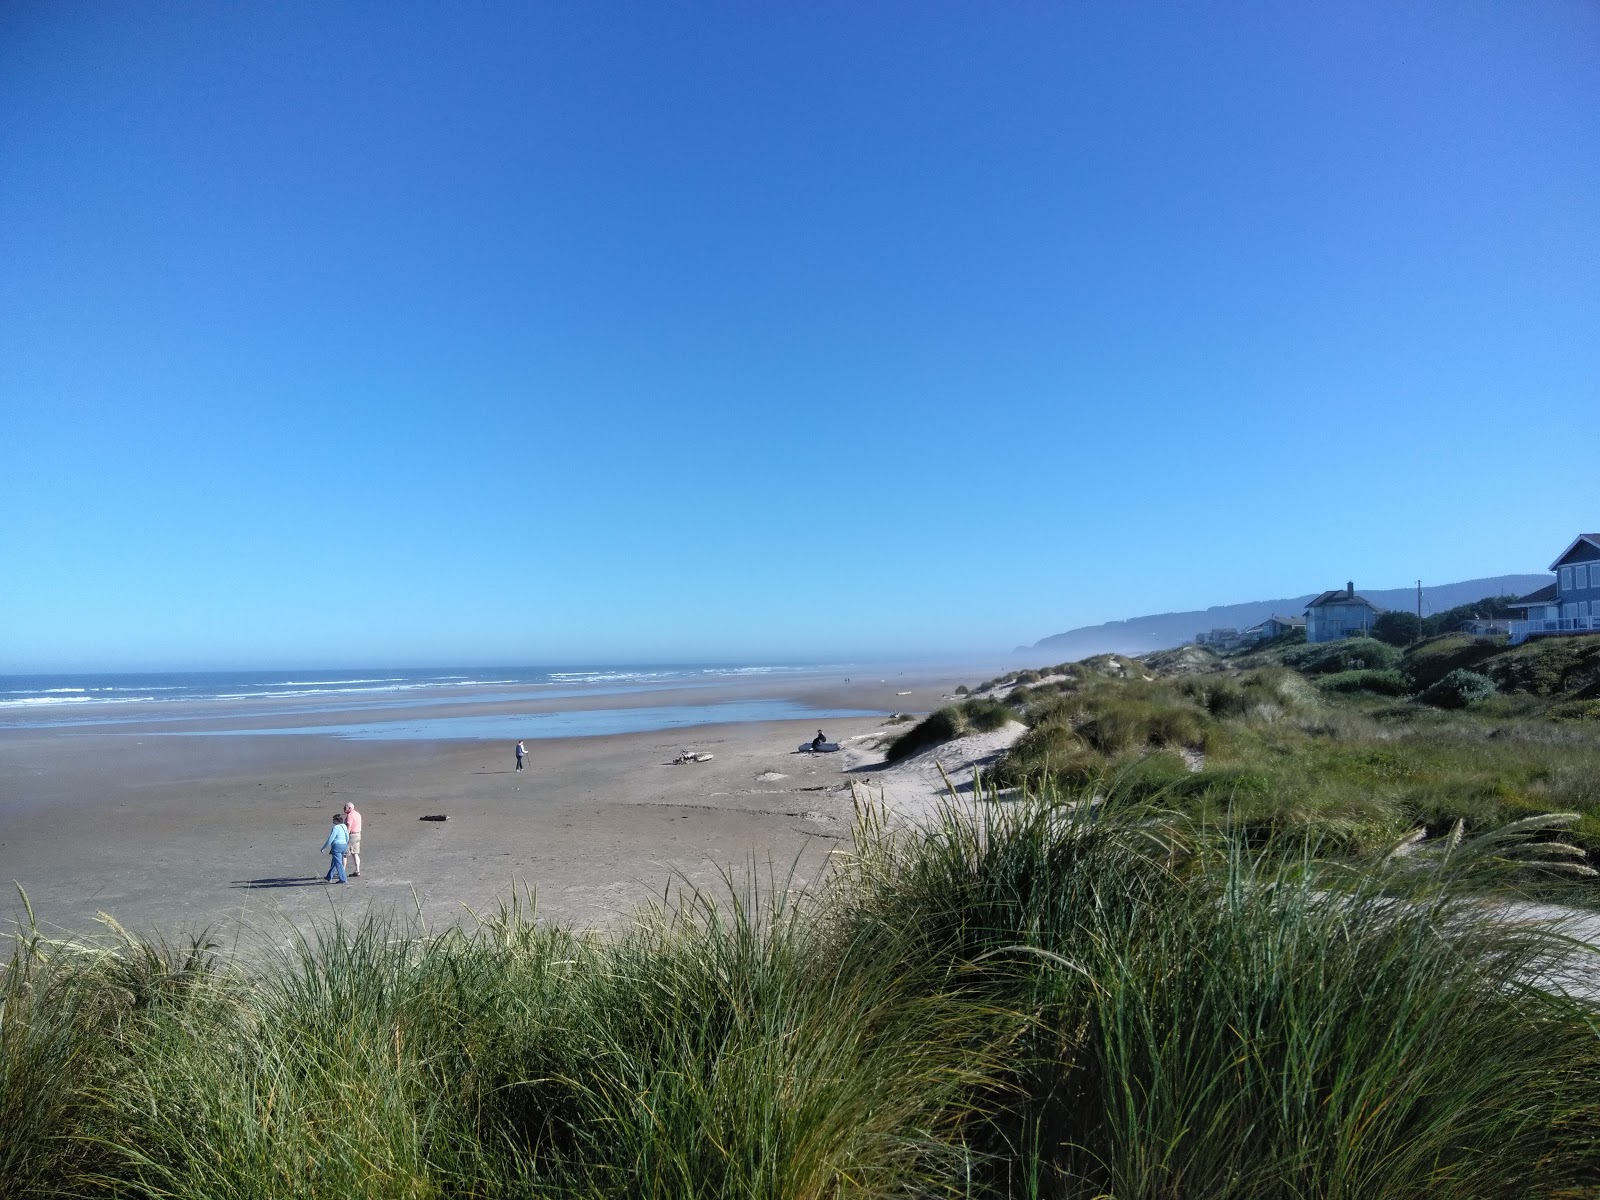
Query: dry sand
[(174, 834)]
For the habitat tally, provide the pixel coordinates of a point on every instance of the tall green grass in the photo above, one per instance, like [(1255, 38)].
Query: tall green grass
[(1040, 997), (1210, 1021)]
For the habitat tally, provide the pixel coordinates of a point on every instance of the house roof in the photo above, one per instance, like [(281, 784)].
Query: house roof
[(1544, 595), (1340, 596), (1592, 538), (1285, 620)]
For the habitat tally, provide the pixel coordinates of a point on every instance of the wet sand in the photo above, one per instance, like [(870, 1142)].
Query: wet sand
[(173, 834)]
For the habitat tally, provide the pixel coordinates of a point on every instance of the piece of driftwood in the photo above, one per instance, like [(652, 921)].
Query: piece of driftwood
[(435, 817), (689, 756)]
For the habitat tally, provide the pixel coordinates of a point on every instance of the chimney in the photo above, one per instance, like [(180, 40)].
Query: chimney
[(1351, 588)]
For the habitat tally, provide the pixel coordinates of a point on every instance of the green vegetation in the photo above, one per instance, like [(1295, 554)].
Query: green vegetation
[(977, 715), (1458, 689), (1040, 997), (1377, 683), (1455, 728), (1397, 628), (1428, 662), (1352, 654), (1488, 607)]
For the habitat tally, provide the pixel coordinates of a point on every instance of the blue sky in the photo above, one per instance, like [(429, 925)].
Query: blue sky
[(385, 333)]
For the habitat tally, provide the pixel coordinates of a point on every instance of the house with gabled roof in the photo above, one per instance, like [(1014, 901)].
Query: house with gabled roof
[(1339, 614), (1571, 602)]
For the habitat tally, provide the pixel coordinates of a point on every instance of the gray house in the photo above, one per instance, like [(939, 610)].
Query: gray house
[(1571, 602), (1334, 615), (1274, 626)]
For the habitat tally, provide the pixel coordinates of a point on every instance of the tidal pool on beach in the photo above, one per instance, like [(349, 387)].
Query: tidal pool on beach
[(587, 722)]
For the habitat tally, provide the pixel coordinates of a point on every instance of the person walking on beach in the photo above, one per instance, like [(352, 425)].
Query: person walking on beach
[(338, 841), (352, 826), (521, 750)]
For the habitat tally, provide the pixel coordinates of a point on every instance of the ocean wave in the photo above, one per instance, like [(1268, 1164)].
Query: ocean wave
[(31, 701), (609, 676)]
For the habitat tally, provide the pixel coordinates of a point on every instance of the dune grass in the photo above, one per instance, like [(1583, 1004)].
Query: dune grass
[(1038, 997), (1337, 755), (976, 715)]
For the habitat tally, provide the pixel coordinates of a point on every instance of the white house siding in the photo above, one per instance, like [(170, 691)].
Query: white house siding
[(1332, 621)]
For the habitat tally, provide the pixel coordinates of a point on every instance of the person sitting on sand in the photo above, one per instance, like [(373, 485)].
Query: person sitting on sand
[(819, 741), (337, 843), (352, 824)]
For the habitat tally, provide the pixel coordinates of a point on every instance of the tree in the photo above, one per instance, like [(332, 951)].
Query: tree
[(1397, 628), (1486, 609)]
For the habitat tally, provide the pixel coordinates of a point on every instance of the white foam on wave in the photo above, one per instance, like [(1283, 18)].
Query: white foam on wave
[(610, 676), (30, 701), (385, 688)]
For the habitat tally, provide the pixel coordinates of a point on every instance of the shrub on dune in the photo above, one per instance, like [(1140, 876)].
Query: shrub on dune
[(1350, 654), (1457, 689), (978, 715)]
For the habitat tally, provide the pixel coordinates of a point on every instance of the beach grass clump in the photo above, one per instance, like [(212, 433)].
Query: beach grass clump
[(1214, 1021), (1049, 750), (980, 714), (717, 1049), (1119, 723)]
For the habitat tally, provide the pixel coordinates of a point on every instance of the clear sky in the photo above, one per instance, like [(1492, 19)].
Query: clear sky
[(386, 333)]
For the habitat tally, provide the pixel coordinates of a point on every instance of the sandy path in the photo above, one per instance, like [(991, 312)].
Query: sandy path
[(912, 789)]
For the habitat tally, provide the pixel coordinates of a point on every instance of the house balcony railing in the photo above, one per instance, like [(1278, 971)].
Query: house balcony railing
[(1521, 631)]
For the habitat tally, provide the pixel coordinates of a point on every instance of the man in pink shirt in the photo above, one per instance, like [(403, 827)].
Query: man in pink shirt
[(352, 822)]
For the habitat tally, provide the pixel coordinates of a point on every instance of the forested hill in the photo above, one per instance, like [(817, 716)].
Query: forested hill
[(1163, 630)]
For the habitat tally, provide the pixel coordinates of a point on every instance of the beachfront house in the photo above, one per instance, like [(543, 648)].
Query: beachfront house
[(1276, 626), (1334, 615), (1273, 627), (1219, 639), (1570, 603)]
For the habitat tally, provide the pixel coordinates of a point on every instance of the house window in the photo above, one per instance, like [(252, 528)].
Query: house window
[(1580, 577), (1566, 579)]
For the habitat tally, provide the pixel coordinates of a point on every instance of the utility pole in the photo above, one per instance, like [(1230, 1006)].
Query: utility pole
[(1419, 610)]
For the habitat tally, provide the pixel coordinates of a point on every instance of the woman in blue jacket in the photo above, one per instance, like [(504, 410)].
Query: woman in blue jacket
[(336, 845)]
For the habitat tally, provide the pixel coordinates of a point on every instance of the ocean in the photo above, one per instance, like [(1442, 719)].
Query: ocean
[(301, 701)]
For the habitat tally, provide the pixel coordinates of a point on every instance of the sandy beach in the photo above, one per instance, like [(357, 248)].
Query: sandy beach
[(173, 833)]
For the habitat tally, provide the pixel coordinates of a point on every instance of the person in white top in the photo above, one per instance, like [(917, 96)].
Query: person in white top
[(352, 822)]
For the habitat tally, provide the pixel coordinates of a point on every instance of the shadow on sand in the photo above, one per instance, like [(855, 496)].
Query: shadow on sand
[(282, 882)]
